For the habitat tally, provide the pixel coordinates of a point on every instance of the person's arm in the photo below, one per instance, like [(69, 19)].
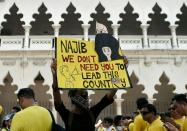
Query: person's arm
[(111, 94), (56, 92), (170, 120), (59, 106), (104, 102), (170, 127)]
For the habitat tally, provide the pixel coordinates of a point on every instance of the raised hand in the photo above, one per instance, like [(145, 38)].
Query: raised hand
[(170, 127), (126, 62)]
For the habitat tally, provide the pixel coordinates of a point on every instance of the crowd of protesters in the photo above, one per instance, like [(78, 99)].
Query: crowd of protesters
[(148, 119), (33, 117)]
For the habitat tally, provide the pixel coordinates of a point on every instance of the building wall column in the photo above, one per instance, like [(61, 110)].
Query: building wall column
[(27, 33), (118, 106), (56, 30), (151, 100), (115, 30), (174, 36), (85, 29), (144, 32)]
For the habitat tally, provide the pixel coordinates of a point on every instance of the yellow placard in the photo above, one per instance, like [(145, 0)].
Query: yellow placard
[(78, 67)]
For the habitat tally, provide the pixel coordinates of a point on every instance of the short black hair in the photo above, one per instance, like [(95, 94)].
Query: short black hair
[(128, 117), (151, 108), (26, 92), (109, 120), (117, 119), (141, 102), (180, 98)]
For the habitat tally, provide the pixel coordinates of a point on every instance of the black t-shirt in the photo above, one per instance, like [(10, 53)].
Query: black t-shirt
[(84, 121)]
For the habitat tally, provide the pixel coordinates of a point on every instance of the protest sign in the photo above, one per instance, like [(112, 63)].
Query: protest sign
[(78, 66)]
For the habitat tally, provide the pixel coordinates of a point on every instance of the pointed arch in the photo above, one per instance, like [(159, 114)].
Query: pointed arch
[(42, 25), (129, 24), (100, 17), (182, 26), (40, 90), (13, 24), (165, 93), (158, 25), (133, 94), (8, 98), (71, 24)]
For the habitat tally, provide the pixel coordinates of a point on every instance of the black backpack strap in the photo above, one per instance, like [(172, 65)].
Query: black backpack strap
[(53, 119), (55, 126)]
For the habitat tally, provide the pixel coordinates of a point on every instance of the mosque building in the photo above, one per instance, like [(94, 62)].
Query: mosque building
[(152, 35)]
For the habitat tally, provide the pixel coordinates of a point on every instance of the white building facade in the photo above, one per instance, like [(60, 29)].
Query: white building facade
[(152, 34)]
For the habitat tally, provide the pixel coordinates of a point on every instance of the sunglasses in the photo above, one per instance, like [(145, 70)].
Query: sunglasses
[(145, 112)]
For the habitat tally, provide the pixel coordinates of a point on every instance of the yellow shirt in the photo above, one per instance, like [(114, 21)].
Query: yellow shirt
[(33, 118), (4, 129), (185, 124), (180, 122), (1, 109), (131, 126), (113, 129), (139, 123), (156, 125), (101, 129)]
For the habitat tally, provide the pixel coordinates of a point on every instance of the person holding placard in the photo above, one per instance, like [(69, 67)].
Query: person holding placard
[(82, 117)]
